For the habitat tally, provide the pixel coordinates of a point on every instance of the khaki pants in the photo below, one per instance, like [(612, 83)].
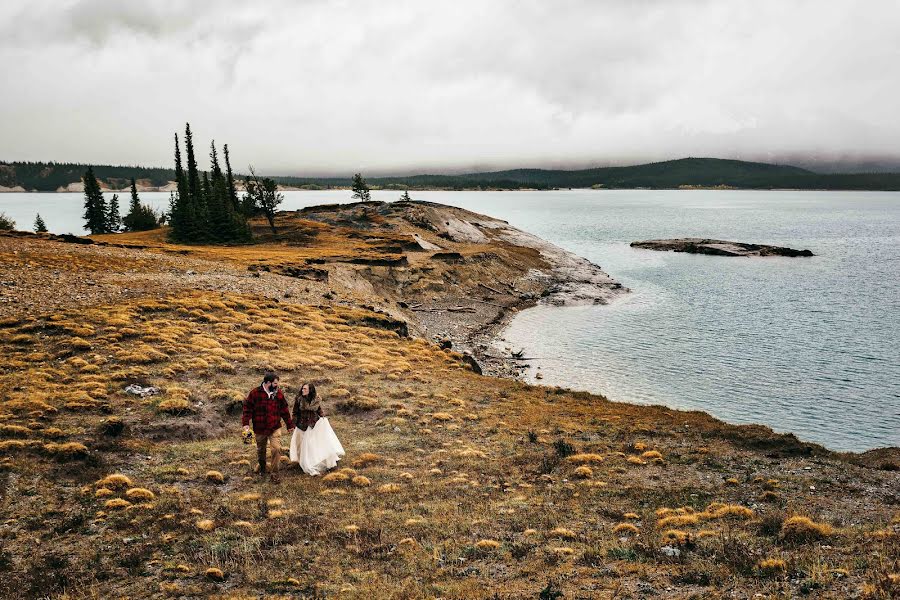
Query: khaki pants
[(274, 442)]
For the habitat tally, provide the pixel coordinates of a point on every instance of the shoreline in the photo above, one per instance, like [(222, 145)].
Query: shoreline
[(566, 280), (464, 483)]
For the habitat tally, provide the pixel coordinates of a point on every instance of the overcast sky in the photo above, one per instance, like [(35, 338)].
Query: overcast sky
[(330, 87)]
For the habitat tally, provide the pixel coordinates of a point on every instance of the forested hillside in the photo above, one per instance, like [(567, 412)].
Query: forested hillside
[(685, 172)]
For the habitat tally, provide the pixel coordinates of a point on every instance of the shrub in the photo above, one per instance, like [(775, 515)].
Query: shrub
[(585, 458), (584, 472), (356, 404), (803, 529), (728, 511), (114, 481), (175, 406), (116, 503), (215, 574), (215, 477), (362, 481), (14, 431), (487, 545), (6, 224), (677, 537), (770, 567), (67, 450), (206, 525), (388, 488), (626, 529), (365, 459), (563, 448), (140, 494), (334, 478), (562, 532)]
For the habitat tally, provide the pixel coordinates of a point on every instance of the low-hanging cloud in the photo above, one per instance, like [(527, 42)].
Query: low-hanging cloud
[(322, 87)]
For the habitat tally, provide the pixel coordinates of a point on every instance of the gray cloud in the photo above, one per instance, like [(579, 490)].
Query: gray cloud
[(331, 86)]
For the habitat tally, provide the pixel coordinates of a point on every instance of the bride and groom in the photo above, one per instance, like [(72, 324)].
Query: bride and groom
[(314, 445)]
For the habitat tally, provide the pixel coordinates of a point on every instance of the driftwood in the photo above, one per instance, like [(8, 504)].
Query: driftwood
[(448, 309), (486, 302), (487, 287)]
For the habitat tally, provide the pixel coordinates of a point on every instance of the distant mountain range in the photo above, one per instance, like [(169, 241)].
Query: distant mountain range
[(673, 174)]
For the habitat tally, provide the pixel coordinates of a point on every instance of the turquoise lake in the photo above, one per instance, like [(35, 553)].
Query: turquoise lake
[(806, 345)]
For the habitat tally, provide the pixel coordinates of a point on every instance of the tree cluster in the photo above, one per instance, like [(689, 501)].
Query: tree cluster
[(140, 217), (206, 207), (99, 217)]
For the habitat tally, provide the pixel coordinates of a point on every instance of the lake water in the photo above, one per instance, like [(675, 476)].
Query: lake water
[(810, 346)]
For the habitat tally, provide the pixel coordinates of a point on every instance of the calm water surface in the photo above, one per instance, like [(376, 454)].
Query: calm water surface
[(810, 345)]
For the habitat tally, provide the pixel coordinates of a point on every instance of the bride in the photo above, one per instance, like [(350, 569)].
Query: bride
[(314, 444)]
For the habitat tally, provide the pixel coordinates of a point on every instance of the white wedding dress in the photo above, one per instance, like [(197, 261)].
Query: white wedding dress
[(317, 449)]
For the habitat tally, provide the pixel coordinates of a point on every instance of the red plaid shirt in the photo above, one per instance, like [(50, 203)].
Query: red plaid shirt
[(266, 411)]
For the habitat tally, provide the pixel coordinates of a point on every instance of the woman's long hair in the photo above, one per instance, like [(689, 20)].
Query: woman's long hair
[(312, 393)]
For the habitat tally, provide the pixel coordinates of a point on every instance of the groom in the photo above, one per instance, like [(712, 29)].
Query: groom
[(266, 407)]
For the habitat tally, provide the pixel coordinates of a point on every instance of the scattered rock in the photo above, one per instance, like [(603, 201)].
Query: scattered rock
[(718, 247)]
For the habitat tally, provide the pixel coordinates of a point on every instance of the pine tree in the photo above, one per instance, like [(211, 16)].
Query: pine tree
[(39, 225), (361, 188), (95, 212), (232, 189), (218, 203), (181, 214), (240, 229), (404, 197), (199, 223), (140, 217), (135, 203), (113, 219)]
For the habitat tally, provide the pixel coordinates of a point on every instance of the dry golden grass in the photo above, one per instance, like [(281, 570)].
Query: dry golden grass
[(140, 494), (585, 458), (769, 567), (802, 529), (416, 497), (115, 481)]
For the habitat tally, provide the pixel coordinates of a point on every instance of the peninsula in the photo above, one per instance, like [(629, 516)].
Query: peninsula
[(455, 485)]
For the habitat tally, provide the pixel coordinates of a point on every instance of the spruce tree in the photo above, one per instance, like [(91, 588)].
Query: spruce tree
[(95, 212), (361, 188), (135, 204), (232, 189), (181, 214), (404, 197), (113, 218), (199, 225), (140, 217), (239, 228), (39, 225), (218, 203)]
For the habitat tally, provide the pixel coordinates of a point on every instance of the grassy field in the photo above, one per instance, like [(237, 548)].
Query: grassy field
[(454, 485)]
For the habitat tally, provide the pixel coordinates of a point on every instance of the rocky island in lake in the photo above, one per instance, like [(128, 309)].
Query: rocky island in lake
[(718, 247)]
